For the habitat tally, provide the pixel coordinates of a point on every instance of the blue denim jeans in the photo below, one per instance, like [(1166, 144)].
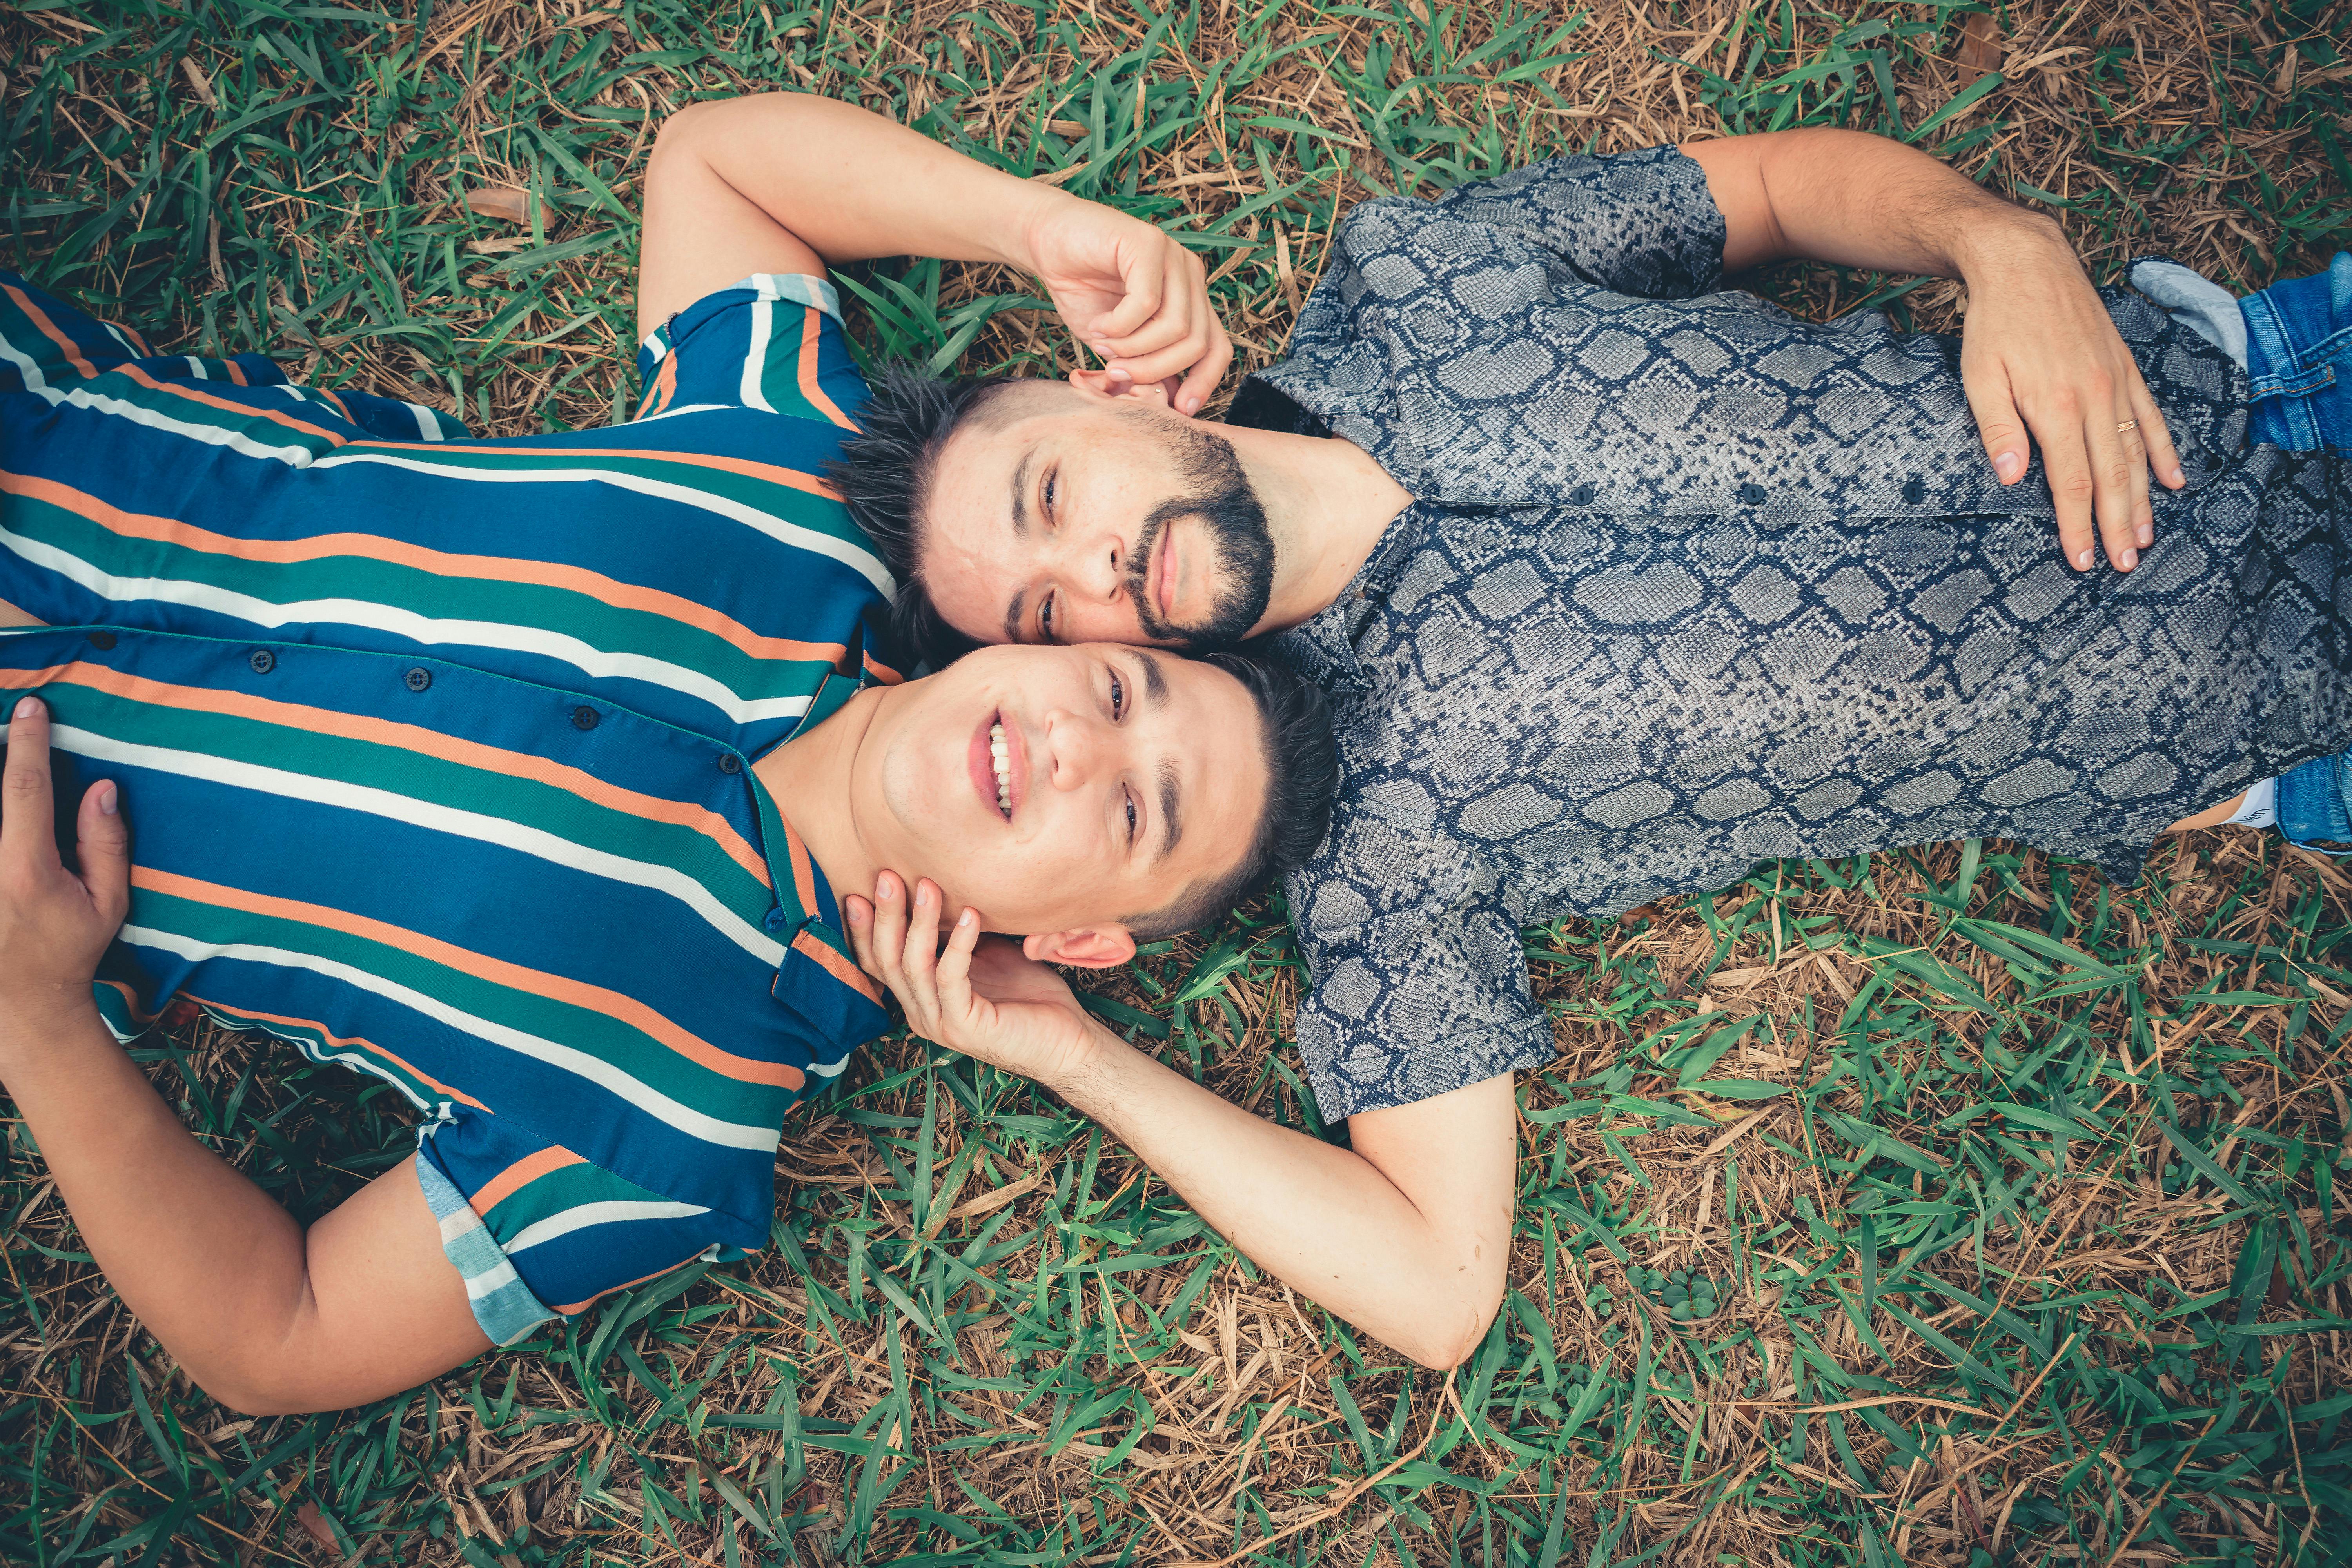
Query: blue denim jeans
[(2299, 359)]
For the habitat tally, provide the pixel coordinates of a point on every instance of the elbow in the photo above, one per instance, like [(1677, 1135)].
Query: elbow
[(1452, 1330)]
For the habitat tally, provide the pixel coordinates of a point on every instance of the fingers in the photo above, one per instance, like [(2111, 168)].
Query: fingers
[(105, 851), (1182, 338), (1201, 380), (2116, 469), (859, 913), (2066, 463), (1144, 277), (26, 833), (955, 965), (922, 946), (2163, 459)]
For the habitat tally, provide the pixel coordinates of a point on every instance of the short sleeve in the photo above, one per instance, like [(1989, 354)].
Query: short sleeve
[(1420, 983), (772, 342), (1642, 223), (538, 1232)]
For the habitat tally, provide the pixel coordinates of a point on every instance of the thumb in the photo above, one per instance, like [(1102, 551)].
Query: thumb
[(103, 839), (1999, 423)]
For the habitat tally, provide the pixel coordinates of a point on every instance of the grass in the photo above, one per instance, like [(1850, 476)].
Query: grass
[(2017, 1191)]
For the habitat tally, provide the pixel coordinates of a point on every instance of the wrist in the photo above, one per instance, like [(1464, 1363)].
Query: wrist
[(45, 1023), (1996, 242), (1077, 1071), (1037, 208)]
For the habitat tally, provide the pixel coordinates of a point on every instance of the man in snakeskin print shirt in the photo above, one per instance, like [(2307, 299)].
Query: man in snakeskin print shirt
[(1618, 582)]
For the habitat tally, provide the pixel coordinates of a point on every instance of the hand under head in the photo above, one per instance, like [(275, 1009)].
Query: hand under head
[(1054, 511), (1087, 798)]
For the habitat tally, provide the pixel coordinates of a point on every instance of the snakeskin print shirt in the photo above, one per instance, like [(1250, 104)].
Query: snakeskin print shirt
[(1689, 584)]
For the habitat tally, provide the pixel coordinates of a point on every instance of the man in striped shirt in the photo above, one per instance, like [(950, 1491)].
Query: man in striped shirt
[(520, 775)]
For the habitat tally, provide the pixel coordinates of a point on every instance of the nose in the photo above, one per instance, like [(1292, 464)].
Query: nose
[(1094, 568), (1074, 748)]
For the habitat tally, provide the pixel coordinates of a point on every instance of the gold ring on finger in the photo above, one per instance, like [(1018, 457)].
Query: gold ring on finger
[(2126, 424)]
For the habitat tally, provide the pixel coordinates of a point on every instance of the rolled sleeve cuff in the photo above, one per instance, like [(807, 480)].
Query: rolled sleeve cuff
[(503, 1305), (1426, 1070)]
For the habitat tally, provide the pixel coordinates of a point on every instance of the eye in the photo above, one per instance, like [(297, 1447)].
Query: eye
[(1117, 699), (1052, 487), (1045, 619), (1131, 819)]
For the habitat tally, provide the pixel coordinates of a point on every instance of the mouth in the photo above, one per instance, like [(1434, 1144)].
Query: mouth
[(1164, 577), (994, 762)]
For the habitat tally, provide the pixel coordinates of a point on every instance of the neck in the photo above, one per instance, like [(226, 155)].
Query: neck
[(1327, 503), (809, 778)]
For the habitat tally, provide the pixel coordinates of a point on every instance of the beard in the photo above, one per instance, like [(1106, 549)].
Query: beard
[(1241, 566)]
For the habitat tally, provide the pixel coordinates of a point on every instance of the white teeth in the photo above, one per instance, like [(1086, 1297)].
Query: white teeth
[(1001, 757)]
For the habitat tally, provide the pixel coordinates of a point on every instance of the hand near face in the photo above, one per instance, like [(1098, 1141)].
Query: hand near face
[(2039, 351), (981, 997), (1133, 295), (54, 925)]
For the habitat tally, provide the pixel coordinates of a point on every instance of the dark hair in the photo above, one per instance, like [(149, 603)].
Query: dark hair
[(1302, 777), (885, 476)]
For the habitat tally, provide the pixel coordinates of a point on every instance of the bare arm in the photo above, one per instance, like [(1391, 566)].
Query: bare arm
[(1404, 1236), (2039, 352), (791, 182), (267, 1317)]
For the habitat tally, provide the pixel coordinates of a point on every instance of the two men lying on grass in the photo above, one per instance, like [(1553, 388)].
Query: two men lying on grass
[(505, 769)]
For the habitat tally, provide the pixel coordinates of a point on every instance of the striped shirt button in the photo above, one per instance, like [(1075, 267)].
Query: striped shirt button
[(584, 717), (777, 920), (262, 660), (729, 763), (102, 641), (419, 679)]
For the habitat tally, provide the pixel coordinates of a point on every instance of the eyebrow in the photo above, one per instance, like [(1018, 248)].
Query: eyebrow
[(1172, 824), (1020, 531), (1155, 684), (1021, 492), (1172, 828)]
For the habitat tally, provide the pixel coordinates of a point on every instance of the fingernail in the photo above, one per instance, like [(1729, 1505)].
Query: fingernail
[(106, 801), (2146, 534), (2130, 559), (2084, 561), (2008, 465), (2179, 477), (1118, 374), (1189, 405), (25, 708), (963, 919)]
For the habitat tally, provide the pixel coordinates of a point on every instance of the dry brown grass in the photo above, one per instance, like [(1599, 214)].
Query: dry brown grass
[(1247, 1440)]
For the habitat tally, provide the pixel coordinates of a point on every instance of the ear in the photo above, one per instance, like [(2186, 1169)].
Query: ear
[(1091, 947), (1115, 384)]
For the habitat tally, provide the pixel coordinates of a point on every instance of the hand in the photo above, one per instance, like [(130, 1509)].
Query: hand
[(980, 997), (2040, 352), (1133, 295), (54, 925)]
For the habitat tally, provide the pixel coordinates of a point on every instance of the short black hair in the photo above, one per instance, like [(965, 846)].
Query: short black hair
[(1302, 778), (884, 480)]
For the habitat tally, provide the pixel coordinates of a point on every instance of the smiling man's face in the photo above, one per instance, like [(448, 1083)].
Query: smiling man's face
[(1059, 515), (1058, 788)]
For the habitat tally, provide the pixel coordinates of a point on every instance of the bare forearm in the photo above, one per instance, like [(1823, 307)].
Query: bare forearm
[(1322, 1219), (854, 185), (1859, 200), (204, 1258)]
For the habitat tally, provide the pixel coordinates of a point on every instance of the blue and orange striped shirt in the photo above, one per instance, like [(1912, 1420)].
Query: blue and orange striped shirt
[(436, 752)]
